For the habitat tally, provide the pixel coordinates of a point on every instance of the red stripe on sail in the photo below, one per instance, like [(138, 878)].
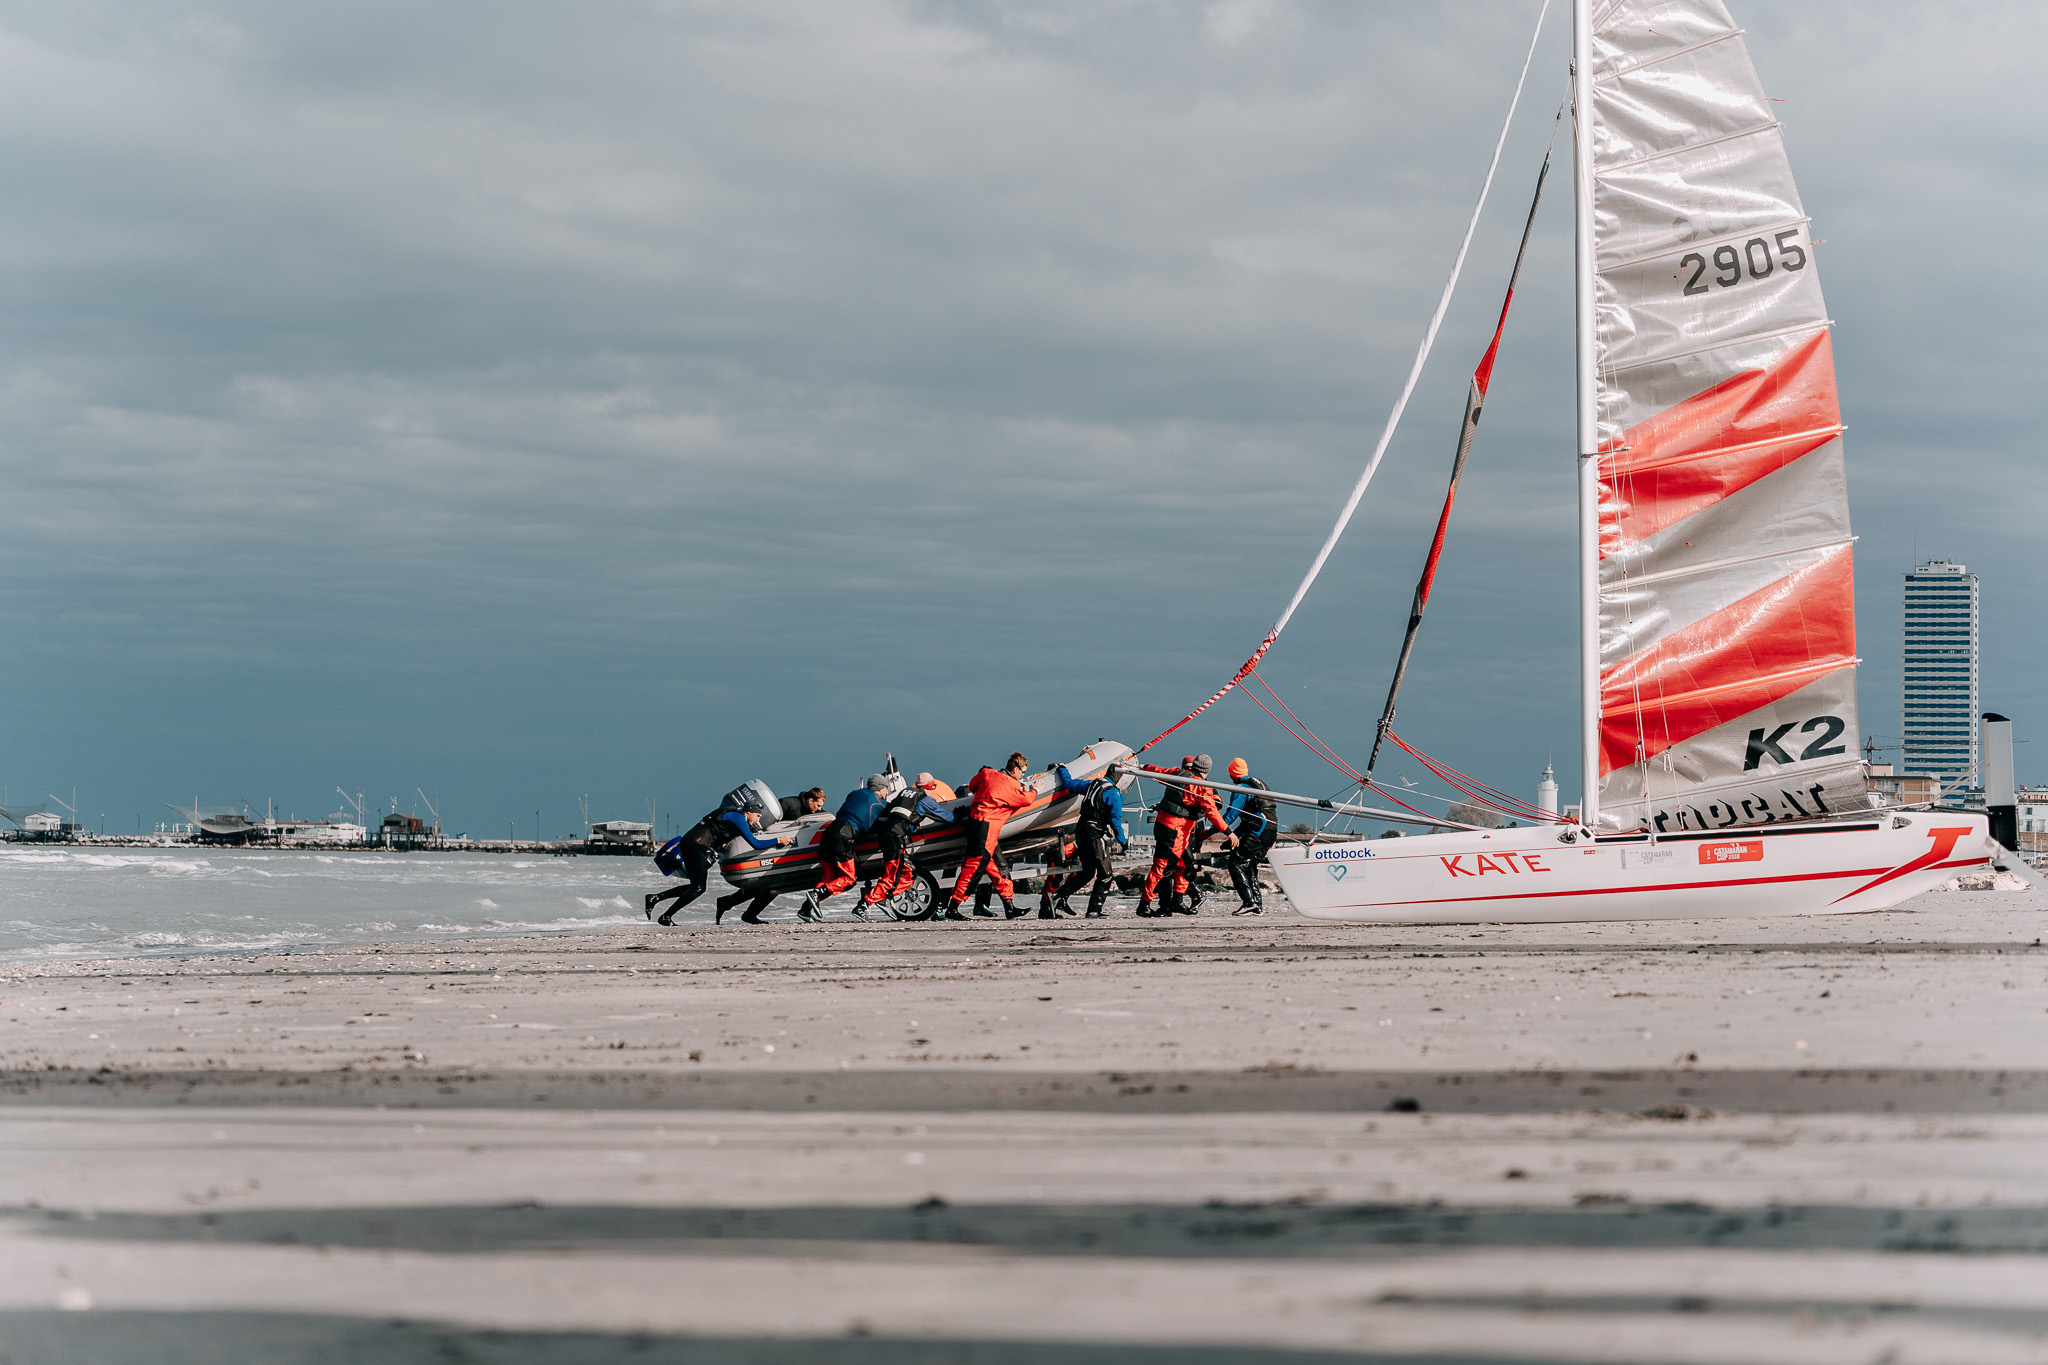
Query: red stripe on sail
[(1748, 654), (1717, 442)]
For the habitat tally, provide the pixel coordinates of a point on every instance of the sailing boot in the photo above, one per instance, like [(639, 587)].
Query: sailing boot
[(652, 897), (1145, 910), (726, 903), (952, 912), (1011, 910), (808, 911), (751, 915)]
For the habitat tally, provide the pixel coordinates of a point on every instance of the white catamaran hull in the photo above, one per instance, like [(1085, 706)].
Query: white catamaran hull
[(1531, 876)]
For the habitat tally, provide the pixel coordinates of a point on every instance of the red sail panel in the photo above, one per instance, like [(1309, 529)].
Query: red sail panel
[(1747, 655), (1717, 442)]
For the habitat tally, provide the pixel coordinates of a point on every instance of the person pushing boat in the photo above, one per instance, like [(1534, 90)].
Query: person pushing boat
[(997, 796), (1254, 828), (893, 828), (856, 818), (1175, 818), (692, 855), (1100, 827)]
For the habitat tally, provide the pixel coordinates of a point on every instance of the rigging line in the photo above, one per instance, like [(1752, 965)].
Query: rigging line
[(1364, 782), (1475, 399), (1329, 757), (1476, 789), (1400, 404), (1348, 769), (1339, 764)]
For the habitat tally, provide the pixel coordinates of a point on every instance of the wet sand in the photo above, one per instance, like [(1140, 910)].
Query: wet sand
[(1227, 1139)]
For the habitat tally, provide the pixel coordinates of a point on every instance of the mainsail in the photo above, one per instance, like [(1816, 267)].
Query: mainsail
[(1727, 627)]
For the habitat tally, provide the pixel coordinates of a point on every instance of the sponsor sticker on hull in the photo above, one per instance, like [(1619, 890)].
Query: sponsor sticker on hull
[(1738, 851)]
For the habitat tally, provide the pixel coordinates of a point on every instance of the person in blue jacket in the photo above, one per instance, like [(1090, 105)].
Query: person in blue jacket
[(1254, 820), (695, 853), (1101, 824), (856, 817)]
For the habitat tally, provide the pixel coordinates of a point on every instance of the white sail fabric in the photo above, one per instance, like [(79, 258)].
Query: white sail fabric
[(1727, 604)]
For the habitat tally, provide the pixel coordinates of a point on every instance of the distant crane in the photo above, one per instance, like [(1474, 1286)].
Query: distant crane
[(434, 809)]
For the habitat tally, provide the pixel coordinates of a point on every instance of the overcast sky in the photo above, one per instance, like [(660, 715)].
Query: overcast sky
[(523, 401)]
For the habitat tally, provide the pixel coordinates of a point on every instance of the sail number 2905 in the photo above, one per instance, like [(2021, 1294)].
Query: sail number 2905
[(1730, 264)]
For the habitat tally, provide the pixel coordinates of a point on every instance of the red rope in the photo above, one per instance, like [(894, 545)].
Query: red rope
[(1477, 790), (1323, 750)]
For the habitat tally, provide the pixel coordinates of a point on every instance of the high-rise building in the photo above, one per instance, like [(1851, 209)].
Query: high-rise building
[(1939, 725)]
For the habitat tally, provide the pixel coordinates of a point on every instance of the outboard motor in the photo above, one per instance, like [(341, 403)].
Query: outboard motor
[(752, 795)]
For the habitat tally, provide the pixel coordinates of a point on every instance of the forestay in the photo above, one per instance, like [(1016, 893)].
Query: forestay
[(1726, 600)]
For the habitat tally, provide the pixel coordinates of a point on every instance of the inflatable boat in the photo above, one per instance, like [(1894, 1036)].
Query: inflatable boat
[(936, 849)]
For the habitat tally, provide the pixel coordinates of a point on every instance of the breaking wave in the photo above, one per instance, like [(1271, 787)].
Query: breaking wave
[(64, 903)]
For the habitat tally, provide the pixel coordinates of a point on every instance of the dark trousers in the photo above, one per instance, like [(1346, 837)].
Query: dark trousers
[(752, 914), (1092, 845), (697, 864), (1244, 863)]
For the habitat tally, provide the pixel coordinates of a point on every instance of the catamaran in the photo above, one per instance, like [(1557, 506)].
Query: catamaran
[(1717, 604)]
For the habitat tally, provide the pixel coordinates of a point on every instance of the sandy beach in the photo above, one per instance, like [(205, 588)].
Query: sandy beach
[(1209, 1139)]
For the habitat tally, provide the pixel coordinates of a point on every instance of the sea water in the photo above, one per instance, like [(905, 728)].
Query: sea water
[(67, 901)]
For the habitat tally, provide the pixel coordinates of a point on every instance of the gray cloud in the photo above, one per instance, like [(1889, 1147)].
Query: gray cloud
[(527, 401)]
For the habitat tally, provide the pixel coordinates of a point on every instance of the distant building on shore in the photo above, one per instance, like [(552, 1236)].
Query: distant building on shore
[(1938, 655), (2033, 818)]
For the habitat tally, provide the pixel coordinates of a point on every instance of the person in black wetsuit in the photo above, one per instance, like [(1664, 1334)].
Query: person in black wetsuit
[(694, 855), (1100, 828), (1252, 820), (796, 807)]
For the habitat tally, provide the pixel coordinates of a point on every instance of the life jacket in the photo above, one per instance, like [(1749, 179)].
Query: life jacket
[(1095, 802), (903, 806), (1261, 806), (1182, 803), (714, 831)]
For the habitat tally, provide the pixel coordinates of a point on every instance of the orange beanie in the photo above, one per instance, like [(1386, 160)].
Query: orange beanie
[(1239, 768)]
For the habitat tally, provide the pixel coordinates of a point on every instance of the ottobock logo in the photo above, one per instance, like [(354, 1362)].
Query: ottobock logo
[(1743, 851), (1327, 855)]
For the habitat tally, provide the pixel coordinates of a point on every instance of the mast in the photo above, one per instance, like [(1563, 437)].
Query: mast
[(1589, 415)]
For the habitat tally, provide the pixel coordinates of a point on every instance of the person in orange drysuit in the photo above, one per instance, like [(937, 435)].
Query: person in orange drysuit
[(1175, 818), (997, 795)]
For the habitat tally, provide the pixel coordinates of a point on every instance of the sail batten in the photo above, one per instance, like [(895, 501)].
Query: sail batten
[(1726, 592)]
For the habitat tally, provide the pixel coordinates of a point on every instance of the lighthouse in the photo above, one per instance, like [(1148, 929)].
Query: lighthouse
[(1546, 792)]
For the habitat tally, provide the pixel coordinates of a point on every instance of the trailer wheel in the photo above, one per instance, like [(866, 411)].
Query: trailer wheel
[(919, 901)]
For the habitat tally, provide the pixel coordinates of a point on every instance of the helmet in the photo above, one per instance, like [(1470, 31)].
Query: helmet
[(1200, 764), (1240, 768), (877, 783)]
